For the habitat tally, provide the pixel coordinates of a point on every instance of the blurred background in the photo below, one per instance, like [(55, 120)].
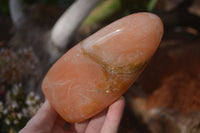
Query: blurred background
[(164, 99)]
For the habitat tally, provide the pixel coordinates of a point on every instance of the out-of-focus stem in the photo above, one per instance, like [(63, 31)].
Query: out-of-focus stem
[(16, 12), (69, 22)]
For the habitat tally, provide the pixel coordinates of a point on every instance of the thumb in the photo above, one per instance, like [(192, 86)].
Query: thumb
[(43, 120)]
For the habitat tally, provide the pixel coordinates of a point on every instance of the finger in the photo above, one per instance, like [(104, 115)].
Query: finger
[(60, 122), (96, 123), (114, 116), (42, 121), (79, 127), (59, 126)]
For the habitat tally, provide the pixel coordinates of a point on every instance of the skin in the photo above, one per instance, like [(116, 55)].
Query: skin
[(46, 120)]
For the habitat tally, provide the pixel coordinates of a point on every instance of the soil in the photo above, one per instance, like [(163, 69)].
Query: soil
[(172, 79)]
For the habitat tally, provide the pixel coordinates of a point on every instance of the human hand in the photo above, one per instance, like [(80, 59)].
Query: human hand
[(47, 120)]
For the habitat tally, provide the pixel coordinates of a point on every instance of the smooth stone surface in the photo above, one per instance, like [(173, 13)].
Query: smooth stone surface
[(97, 71)]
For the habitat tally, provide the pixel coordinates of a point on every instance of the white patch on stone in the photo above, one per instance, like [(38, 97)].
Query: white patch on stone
[(155, 111), (99, 38), (153, 16), (107, 91), (61, 82)]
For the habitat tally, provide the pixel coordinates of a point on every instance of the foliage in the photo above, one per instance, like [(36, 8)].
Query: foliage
[(4, 8), (61, 3), (115, 9), (16, 107), (17, 66), (103, 10), (128, 5), (138, 5)]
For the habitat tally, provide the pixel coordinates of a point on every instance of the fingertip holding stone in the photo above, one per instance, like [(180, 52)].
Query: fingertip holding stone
[(98, 70)]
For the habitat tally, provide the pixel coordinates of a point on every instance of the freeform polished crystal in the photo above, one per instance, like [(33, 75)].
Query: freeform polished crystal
[(98, 70)]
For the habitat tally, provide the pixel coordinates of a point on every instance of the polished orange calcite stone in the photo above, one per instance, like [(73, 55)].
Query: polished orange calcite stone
[(98, 70)]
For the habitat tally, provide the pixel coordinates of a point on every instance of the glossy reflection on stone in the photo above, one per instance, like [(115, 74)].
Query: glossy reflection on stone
[(98, 70)]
